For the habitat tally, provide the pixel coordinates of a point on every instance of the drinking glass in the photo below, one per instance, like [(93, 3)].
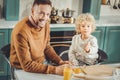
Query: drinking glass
[(67, 73)]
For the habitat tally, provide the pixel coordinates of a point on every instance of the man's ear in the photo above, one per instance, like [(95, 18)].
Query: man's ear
[(32, 10)]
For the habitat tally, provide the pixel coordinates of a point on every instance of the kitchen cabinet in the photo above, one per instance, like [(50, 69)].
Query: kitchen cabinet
[(100, 34), (9, 35), (4, 75), (3, 37), (112, 44), (11, 9), (93, 7), (3, 64)]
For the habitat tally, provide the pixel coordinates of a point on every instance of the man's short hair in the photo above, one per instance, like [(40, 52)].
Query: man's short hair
[(37, 2)]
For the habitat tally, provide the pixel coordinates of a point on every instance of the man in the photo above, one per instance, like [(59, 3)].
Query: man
[(30, 45)]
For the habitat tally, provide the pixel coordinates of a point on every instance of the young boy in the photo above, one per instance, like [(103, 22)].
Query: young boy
[(84, 47)]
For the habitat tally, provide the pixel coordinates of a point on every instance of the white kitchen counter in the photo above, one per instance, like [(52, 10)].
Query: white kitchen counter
[(105, 21), (22, 75), (108, 21)]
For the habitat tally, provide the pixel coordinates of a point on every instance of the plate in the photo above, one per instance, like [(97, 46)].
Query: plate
[(90, 77), (99, 72)]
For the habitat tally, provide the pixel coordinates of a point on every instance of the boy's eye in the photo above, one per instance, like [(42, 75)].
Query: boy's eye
[(88, 26)]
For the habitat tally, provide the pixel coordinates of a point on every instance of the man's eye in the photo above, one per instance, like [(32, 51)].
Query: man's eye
[(83, 26), (48, 14), (41, 13)]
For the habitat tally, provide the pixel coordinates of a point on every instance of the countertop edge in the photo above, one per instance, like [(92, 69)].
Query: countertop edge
[(104, 21)]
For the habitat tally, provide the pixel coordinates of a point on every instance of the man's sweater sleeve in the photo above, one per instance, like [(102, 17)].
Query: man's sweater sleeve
[(51, 54), (24, 57)]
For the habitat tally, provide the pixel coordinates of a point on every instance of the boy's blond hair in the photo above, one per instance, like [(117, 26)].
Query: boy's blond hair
[(85, 17)]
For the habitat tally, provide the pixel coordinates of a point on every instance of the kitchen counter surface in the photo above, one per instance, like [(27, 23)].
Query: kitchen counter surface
[(105, 21), (36, 76)]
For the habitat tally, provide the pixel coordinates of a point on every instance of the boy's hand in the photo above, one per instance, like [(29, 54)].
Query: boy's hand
[(87, 47)]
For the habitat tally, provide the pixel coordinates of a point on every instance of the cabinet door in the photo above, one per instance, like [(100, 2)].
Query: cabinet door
[(3, 64), (3, 37), (112, 44), (3, 68), (9, 35), (99, 34), (11, 9), (93, 7)]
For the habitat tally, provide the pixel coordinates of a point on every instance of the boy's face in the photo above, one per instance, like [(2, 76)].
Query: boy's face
[(85, 28), (41, 14)]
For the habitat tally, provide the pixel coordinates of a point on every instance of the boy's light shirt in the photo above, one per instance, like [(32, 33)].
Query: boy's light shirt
[(77, 49)]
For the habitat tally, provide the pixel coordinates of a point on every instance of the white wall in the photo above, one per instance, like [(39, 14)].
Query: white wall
[(25, 6), (1, 2), (107, 10), (75, 5)]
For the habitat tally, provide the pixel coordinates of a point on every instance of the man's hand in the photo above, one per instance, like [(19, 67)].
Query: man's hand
[(64, 62), (60, 69)]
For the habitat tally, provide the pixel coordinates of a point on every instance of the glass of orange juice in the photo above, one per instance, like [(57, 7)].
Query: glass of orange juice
[(67, 73)]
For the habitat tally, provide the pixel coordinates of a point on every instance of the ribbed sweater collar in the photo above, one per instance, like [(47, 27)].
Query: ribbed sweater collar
[(33, 22)]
